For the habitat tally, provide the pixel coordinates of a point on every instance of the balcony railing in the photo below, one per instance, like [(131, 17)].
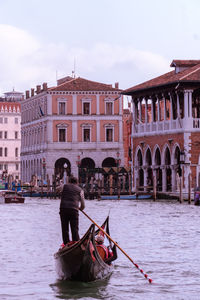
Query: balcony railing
[(192, 124)]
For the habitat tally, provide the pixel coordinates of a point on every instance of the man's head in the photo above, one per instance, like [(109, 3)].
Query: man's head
[(73, 180)]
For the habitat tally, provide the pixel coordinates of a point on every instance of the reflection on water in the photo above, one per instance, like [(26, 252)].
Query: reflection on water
[(78, 290), (161, 237)]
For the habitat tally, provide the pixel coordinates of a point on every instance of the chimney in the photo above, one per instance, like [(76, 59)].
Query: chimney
[(116, 85), (44, 86), (27, 95), (38, 89), (32, 92)]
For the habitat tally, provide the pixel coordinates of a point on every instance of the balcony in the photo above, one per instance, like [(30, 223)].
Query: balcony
[(169, 126)]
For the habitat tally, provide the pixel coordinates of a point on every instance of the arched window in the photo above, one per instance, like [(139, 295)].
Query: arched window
[(16, 152)]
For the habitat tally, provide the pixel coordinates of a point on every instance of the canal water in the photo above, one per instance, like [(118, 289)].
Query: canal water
[(161, 237)]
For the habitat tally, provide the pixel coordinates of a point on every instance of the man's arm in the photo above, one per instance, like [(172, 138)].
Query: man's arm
[(82, 200)]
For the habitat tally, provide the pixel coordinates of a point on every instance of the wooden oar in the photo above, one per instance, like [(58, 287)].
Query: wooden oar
[(109, 237)]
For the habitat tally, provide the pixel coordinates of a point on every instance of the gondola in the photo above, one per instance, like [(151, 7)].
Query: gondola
[(82, 261)]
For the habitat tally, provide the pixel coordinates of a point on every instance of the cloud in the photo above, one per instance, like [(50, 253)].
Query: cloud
[(25, 61)]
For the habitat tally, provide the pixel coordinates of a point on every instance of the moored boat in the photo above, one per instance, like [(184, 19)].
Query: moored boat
[(84, 260), (9, 196)]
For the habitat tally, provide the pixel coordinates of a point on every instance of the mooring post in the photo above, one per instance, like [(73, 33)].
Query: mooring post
[(137, 187), (189, 189), (154, 188), (99, 190), (181, 192)]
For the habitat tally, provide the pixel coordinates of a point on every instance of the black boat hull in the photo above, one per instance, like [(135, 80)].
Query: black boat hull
[(81, 261)]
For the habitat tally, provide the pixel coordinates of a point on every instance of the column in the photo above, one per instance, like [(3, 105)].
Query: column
[(145, 177), (171, 110), (120, 131), (174, 183), (185, 104), (74, 131), (134, 116), (97, 108), (178, 105), (158, 109), (120, 106), (190, 104), (74, 109), (152, 110), (140, 112), (49, 104), (98, 130), (146, 112), (164, 179), (164, 108), (49, 137)]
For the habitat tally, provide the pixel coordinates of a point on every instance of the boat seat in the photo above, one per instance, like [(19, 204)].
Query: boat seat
[(102, 252)]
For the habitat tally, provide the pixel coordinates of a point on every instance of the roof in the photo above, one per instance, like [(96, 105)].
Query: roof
[(81, 84), (191, 74), (184, 63)]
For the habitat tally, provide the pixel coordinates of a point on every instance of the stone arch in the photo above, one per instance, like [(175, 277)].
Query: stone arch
[(109, 162), (87, 162), (59, 167), (138, 149), (139, 158), (148, 157), (148, 164), (156, 156), (168, 170), (175, 157), (163, 154), (157, 166)]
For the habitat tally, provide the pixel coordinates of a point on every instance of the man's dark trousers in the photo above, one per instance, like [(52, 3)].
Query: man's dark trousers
[(69, 216)]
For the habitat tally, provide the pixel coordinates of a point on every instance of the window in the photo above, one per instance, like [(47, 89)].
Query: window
[(1, 167), (6, 152), (109, 108), (62, 135), (5, 167), (1, 151), (61, 108), (17, 167), (5, 135), (16, 135), (109, 134), (5, 120), (86, 134), (86, 108), (1, 120), (16, 152), (1, 134), (16, 120)]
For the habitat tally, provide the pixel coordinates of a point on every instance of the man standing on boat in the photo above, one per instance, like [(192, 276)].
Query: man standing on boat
[(72, 199)]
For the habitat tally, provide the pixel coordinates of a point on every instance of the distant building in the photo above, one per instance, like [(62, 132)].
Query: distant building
[(10, 134), (76, 123), (127, 129), (166, 128)]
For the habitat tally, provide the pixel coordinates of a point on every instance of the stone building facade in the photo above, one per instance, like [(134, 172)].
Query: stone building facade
[(10, 134), (166, 128), (76, 123)]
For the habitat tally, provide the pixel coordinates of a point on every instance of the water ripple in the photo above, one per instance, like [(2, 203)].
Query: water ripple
[(161, 237)]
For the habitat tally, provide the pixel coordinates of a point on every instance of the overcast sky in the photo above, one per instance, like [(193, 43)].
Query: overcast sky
[(125, 41)]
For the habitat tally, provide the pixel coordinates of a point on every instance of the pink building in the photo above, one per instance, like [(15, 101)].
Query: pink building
[(166, 128), (76, 122)]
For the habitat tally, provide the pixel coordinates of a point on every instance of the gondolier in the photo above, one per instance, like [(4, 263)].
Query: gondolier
[(72, 199)]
